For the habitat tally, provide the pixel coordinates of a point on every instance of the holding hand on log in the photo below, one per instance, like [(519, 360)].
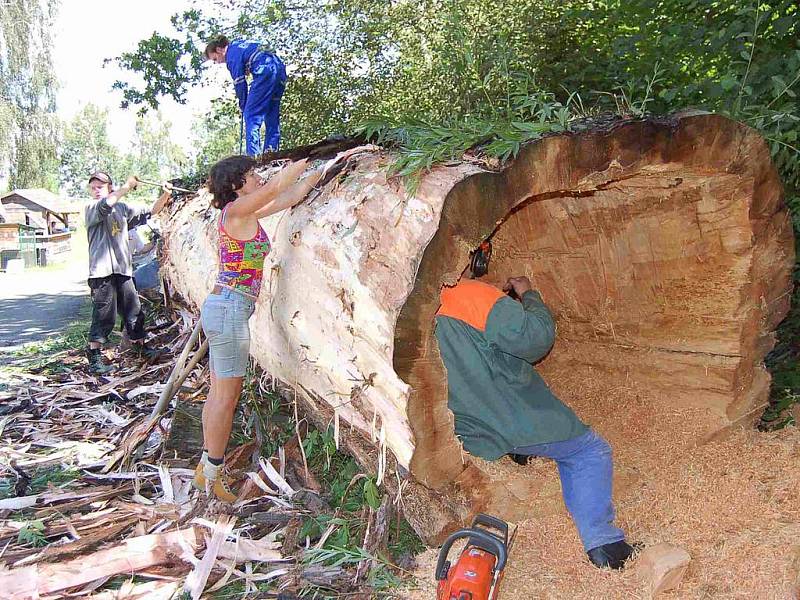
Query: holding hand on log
[(344, 154)]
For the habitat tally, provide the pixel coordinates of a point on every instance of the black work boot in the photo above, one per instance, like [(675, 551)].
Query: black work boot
[(613, 555), (520, 459), (146, 352), (96, 364)]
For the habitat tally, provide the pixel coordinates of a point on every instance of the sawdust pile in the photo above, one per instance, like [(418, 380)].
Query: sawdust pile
[(733, 503), (644, 430)]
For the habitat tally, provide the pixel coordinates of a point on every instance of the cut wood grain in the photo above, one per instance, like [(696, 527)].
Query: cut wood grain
[(662, 246)]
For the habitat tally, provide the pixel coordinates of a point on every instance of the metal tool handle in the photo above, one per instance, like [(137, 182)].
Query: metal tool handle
[(478, 538), (157, 184), (241, 133)]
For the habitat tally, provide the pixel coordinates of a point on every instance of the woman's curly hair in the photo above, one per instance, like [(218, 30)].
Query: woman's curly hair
[(226, 177)]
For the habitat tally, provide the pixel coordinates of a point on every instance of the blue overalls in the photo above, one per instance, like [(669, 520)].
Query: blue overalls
[(262, 102)]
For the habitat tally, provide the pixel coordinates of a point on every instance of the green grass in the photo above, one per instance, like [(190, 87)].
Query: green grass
[(41, 480), (32, 533), (237, 589), (335, 470), (405, 541), (380, 577), (258, 410)]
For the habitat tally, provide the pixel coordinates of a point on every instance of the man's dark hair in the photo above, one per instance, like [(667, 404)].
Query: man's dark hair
[(215, 44), (227, 176)]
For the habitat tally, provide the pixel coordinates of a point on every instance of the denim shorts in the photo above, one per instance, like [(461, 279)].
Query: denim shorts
[(224, 317)]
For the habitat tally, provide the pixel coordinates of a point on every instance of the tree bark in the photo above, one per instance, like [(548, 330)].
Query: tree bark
[(663, 248)]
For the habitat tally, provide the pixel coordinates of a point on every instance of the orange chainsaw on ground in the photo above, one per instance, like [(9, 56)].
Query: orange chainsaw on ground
[(479, 569)]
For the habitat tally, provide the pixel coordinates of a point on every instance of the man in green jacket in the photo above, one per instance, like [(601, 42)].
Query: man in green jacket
[(501, 405)]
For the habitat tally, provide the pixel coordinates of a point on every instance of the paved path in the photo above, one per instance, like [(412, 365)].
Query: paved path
[(38, 304)]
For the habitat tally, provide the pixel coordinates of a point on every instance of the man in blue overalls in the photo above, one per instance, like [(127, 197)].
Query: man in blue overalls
[(262, 102)]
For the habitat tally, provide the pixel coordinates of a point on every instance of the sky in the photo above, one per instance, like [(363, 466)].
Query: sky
[(89, 31)]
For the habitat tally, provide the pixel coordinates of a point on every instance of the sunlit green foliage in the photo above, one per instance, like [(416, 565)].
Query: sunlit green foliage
[(28, 124)]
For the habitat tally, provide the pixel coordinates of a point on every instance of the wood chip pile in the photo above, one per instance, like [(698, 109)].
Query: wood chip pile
[(732, 501), (117, 516)]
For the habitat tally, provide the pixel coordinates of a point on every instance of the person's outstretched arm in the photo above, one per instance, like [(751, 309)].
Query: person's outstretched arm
[(290, 196), (115, 196), (294, 195), (283, 190), (139, 215), (523, 328), (258, 199)]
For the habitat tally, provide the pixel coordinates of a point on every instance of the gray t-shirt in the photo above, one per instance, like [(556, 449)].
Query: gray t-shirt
[(107, 230)]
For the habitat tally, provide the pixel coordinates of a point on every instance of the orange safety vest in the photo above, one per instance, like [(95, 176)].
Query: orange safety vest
[(469, 301)]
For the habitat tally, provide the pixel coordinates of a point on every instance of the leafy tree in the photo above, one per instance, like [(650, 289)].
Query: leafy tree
[(28, 124), (216, 135), (87, 148), (168, 65), (464, 63), (153, 155), (740, 58)]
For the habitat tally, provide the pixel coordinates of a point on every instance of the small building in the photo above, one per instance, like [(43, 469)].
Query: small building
[(37, 214), (39, 208), (17, 241)]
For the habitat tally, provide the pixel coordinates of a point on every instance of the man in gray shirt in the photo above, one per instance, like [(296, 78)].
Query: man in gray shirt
[(110, 269)]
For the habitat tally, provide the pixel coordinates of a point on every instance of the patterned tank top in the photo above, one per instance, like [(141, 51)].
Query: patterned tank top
[(241, 262)]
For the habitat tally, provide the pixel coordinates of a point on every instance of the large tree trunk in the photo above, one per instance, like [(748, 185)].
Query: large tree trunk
[(662, 246)]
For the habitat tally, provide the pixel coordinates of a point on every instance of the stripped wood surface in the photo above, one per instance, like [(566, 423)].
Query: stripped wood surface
[(663, 248)]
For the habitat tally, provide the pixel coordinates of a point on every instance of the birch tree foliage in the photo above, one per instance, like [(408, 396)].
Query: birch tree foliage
[(28, 124)]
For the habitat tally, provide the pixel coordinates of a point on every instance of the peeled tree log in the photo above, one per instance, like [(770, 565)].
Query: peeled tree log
[(663, 248)]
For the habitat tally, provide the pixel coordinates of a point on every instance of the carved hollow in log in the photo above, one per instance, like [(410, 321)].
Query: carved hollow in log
[(663, 249)]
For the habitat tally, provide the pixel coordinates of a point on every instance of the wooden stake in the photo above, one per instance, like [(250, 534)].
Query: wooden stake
[(177, 371), (198, 356)]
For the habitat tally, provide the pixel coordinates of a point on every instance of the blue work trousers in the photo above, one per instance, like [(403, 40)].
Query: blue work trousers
[(263, 104), (584, 465)]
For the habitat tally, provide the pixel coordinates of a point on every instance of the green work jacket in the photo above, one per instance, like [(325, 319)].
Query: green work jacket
[(498, 399)]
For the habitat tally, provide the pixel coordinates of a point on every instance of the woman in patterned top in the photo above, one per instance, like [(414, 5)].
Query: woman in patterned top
[(243, 198)]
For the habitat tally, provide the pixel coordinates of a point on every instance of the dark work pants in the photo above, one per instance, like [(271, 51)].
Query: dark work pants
[(107, 293)]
